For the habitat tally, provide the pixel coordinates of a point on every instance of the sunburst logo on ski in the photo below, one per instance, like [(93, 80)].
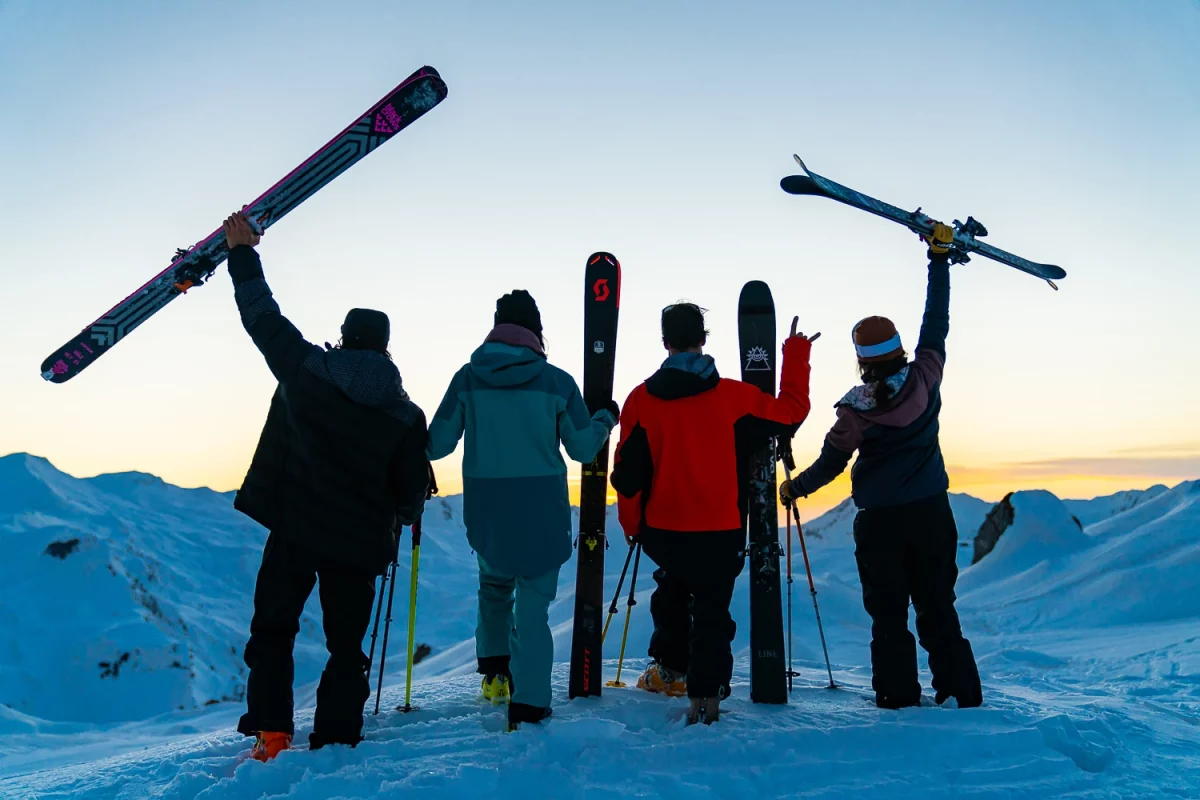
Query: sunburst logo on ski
[(758, 360)]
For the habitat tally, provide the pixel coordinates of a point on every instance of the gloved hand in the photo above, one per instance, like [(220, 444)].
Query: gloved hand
[(614, 409), (797, 334), (941, 240), (789, 492)]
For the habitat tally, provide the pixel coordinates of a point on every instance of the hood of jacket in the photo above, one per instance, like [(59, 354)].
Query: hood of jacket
[(683, 375), (365, 376), (510, 356), (910, 397)]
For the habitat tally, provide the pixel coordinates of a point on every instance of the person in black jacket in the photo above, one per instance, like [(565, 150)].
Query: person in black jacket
[(339, 467), (904, 534)]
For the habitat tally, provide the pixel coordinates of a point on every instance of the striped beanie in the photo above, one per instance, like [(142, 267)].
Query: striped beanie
[(876, 339)]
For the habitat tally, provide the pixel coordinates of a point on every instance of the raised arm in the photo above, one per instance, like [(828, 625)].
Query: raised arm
[(785, 412), (935, 325), (276, 338)]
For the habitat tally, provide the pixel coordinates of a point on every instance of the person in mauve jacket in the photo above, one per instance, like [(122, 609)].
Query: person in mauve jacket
[(904, 534), (339, 468), (681, 472), (516, 410)]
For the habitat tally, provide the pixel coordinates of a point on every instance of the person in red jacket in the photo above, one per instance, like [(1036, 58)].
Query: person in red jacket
[(680, 473)]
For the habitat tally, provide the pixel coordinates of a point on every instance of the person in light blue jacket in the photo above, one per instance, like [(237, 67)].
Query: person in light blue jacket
[(516, 410)]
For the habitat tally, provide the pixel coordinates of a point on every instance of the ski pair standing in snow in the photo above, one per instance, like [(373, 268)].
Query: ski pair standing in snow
[(681, 472), (904, 534), (515, 410), (339, 467)]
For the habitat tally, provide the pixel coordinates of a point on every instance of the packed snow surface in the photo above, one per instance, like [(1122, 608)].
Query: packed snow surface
[(126, 603)]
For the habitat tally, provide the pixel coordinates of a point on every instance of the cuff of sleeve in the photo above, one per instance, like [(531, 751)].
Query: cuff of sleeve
[(244, 264), (605, 418), (797, 347)]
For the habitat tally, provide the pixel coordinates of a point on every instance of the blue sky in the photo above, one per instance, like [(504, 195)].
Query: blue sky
[(656, 131)]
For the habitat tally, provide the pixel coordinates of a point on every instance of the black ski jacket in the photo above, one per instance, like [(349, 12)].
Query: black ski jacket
[(340, 464)]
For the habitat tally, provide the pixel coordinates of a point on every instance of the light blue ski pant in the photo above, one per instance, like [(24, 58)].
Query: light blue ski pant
[(514, 621)]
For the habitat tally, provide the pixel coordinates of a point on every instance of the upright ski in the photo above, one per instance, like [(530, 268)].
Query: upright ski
[(768, 664), (402, 106), (966, 236), (602, 300)]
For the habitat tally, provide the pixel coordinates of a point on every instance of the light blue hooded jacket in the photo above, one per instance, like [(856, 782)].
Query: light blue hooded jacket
[(515, 409)]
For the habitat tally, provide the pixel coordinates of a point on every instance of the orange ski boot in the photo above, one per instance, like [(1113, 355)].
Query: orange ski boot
[(269, 744), (660, 680)]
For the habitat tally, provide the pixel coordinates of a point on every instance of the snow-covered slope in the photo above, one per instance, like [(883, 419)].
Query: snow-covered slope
[(127, 597), (1137, 567), (1086, 642), (123, 596)]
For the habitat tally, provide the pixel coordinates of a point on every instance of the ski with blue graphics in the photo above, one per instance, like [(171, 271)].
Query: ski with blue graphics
[(768, 664), (191, 267), (601, 304), (966, 234)]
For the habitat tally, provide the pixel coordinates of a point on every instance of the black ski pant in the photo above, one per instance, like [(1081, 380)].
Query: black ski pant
[(693, 629), (285, 580), (905, 552)]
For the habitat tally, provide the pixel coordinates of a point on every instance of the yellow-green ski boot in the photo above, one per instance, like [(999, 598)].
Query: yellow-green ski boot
[(497, 689)]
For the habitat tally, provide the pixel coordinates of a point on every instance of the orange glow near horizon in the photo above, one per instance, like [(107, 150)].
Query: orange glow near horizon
[(223, 471)]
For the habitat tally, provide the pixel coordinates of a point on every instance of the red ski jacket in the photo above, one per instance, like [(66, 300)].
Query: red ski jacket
[(686, 437)]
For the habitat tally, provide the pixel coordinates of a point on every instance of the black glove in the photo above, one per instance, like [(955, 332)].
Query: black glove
[(789, 491), (614, 409)]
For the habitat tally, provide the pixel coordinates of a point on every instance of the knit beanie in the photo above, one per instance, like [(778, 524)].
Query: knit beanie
[(366, 329), (876, 339), (519, 308)]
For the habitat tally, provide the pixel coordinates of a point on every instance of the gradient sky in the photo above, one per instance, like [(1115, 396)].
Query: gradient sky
[(658, 131)]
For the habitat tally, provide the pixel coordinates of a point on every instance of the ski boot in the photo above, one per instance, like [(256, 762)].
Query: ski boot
[(268, 744), (704, 709), (497, 689), (522, 712), (660, 680)]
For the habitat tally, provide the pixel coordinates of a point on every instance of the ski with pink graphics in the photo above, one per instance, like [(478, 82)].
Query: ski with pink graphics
[(401, 107)]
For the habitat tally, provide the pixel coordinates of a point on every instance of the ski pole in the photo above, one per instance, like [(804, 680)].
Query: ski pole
[(628, 613), (791, 672), (387, 624), (378, 612), (412, 613), (783, 451), (812, 588), (612, 610)]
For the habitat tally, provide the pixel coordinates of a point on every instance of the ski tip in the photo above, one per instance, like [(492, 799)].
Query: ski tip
[(800, 161), (755, 295), (55, 371), (599, 255)]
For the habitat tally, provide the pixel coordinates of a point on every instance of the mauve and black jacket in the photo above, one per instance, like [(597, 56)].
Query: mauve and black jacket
[(340, 464), (899, 457)]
